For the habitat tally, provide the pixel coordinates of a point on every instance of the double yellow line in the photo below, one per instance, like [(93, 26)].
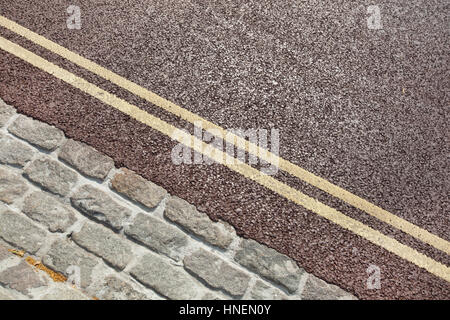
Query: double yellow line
[(294, 195)]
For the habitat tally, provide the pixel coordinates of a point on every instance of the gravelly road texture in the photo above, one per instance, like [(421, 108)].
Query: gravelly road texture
[(364, 109)]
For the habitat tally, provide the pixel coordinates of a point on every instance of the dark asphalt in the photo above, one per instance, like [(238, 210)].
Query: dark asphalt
[(365, 109)]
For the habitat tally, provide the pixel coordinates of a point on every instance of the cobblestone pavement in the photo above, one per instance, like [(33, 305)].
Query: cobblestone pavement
[(72, 226)]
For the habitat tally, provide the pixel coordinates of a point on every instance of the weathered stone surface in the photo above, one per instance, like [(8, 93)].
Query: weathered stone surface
[(86, 159), (157, 235), (21, 278), (100, 206), (187, 216), (51, 175), (4, 253), (216, 272), (17, 230), (14, 152), (269, 263), (47, 210), (6, 294), (164, 278), (64, 254), (210, 296), (114, 288), (6, 112), (104, 243), (63, 292), (317, 289), (36, 132), (137, 188), (262, 291), (12, 186)]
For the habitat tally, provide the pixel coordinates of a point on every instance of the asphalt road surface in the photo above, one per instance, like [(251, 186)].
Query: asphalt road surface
[(365, 109)]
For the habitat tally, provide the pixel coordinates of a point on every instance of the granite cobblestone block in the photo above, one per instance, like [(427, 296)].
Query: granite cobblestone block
[(51, 175), (187, 216), (269, 263), (317, 289), (45, 209), (166, 279), (104, 243), (64, 256), (216, 272), (6, 112), (12, 186), (17, 230), (137, 188), (157, 235), (14, 152), (99, 206), (21, 278), (113, 288), (36, 132), (86, 159)]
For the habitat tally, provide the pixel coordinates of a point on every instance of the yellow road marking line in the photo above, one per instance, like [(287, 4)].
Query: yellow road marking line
[(285, 165), (372, 235)]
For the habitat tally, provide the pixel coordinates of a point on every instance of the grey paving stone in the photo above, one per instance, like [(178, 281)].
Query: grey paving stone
[(98, 205), (51, 175), (21, 278), (157, 235), (104, 243), (14, 152), (86, 159), (5, 294), (114, 288), (4, 253), (64, 254), (164, 278), (317, 289), (262, 291), (210, 296), (17, 230), (63, 291), (216, 272), (137, 188), (269, 263), (6, 112), (187, 216), (12, 186), (47, 210), (36, 132)]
